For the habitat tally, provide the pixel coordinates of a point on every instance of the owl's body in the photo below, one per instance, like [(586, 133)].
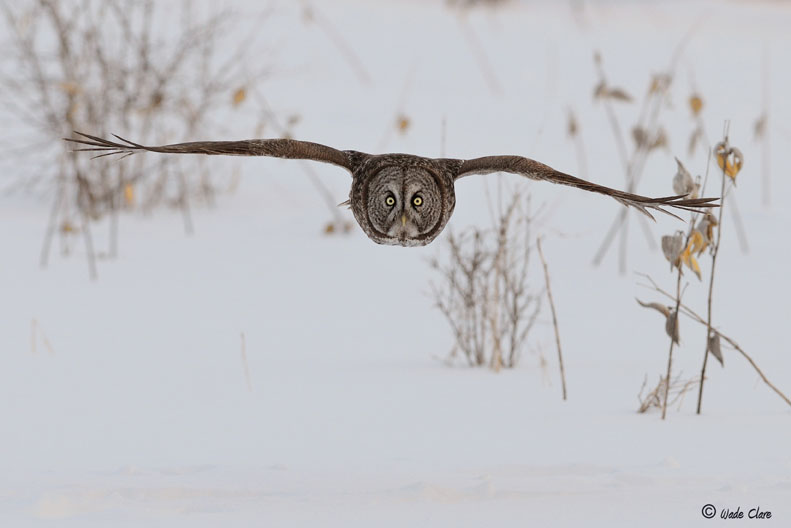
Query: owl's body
[(397, 199)]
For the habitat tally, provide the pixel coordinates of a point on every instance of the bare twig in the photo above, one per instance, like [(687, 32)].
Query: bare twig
[(554, 315)]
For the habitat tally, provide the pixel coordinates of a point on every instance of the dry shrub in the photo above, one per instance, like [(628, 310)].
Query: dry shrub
[(483, 289), (157, 72), (661, 396)]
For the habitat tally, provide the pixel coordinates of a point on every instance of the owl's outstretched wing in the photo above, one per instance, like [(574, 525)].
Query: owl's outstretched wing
[(538, 171), (278, 148)]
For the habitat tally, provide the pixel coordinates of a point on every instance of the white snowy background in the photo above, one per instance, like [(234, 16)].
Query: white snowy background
[(141, 415)]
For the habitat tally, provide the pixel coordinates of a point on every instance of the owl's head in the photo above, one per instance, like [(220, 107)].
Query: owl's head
[(403, 201)]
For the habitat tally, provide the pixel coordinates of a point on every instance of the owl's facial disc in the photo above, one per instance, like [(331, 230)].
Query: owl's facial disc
[(404, 206)]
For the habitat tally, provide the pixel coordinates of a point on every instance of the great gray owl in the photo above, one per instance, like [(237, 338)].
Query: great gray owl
[(398, 199)]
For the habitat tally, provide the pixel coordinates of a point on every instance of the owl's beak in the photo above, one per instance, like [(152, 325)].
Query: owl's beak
[(403, 220)]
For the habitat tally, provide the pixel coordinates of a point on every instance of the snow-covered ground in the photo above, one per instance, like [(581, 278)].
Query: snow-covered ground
[(138, 412)]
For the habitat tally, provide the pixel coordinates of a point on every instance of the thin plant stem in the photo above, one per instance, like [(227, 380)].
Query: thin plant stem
[(673, 333), (711, 288), (554, 316)]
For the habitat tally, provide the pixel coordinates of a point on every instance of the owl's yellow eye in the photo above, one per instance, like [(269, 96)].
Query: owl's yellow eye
[(390, 201), (417, 201)]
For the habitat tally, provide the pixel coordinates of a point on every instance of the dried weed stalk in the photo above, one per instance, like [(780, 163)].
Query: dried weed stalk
[(730, 161), (554, 315), (483, 289), (682, 250), (679, 249)]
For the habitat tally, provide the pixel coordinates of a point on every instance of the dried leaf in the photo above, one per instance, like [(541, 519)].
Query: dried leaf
[(129, 194), (329, 228), (661, 308), (600, 91), (714, 347), (729, 159), (706, 227), (688, 258), (695, 104), (402, 123), (619, 94), (671, 327), (672, 245), (239, 96), (573, 127), (697, 242), (683, 182), (721, 153), (733, 168), (760, 127)]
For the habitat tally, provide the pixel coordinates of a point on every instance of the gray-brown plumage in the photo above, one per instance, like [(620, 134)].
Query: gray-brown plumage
[(397, 199)]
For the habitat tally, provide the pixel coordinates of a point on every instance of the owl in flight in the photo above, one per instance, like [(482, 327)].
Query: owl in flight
[(398, 199)]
